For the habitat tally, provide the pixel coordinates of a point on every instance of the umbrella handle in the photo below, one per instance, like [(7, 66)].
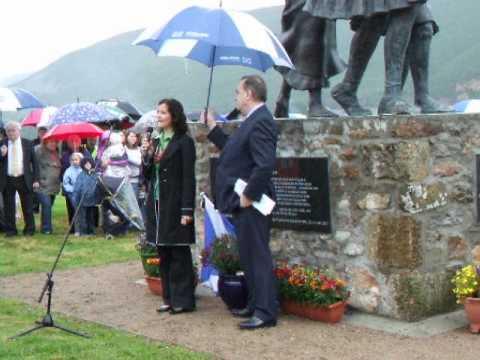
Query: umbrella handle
[(212, 63)]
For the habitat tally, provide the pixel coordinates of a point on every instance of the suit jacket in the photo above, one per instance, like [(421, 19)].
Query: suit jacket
[(30, 166), (248, 154), (176, 175)]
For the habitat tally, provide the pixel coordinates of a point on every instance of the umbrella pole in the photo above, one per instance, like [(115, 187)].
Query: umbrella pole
[(210, 83)]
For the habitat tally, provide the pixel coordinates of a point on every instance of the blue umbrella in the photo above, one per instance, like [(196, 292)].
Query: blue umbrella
[(217, 37), (81, 112), (17, 99)]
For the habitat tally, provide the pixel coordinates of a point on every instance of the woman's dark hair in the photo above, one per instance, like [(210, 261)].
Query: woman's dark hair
[(87, 160), (179, 120), (127, 133)]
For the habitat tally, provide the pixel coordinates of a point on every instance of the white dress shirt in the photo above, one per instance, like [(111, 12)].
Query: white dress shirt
[(252, 110), (15, 166)]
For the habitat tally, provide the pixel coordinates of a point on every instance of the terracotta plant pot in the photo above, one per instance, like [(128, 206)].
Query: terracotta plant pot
[(329, 314), (154, 285), (472, 309), (294, 308)]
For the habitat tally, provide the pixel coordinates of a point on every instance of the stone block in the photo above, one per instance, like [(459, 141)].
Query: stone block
[(413, 128), (421, 294), (462, 193), (373, 201), (394, 242), (409, 161), (447, 169), (413, 160), (476, 255), (364, 289), (348, 154), (417, 198), (342, 236), (457, 248), (353, 250), (351, 172)]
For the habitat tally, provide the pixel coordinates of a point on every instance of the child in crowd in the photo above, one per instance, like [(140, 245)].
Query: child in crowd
[(86, 186), (69, 179), (115, 164), (115, 158)]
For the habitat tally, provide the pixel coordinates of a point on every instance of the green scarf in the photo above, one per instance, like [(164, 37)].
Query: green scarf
[(164, 138)]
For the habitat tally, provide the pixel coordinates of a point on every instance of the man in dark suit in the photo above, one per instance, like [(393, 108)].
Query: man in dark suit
[(249, 154), (18, 173)]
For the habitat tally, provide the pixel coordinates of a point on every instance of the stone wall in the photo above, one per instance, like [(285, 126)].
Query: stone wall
[(403, 205)]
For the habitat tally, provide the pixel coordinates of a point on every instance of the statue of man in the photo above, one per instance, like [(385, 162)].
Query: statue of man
[(311, 44), (408, 26)]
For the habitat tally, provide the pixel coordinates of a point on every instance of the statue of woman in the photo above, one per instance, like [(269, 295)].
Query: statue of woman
[(311, 43)]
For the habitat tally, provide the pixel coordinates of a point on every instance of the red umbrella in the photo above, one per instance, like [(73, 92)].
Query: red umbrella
[(64, 131), (41, 116)]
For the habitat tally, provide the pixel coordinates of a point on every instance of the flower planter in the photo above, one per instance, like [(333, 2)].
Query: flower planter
[(329, 314), (233, 291), (154, 285), (472, 309)]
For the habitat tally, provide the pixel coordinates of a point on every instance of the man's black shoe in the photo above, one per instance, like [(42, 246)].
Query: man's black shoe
[(10, 234), (179, 310), (245, 312), (256, 323), (28, 233), (163, 308)]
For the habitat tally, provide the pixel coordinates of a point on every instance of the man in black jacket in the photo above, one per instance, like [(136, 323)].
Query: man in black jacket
[(18, 173), (249, 154)]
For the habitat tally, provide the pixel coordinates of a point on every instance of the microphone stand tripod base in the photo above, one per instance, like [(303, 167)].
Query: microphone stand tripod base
[(47, 320)]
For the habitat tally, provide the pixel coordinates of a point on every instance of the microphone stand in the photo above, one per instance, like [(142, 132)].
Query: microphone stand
[(47, 320)]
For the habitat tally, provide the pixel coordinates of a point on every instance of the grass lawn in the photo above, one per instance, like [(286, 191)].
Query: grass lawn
[(52, 344), (34, 254)]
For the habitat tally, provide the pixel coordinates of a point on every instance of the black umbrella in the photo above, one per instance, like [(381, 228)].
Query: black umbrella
[(125, 106)]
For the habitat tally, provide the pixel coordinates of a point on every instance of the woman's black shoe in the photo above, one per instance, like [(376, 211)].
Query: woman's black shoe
[(163, 308)]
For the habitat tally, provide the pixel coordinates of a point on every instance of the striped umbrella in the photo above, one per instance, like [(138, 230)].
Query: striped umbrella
[(468, 106), (217, 37), (40, 117)]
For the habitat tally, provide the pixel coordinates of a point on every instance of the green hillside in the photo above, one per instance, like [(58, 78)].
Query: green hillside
[(114, 68)]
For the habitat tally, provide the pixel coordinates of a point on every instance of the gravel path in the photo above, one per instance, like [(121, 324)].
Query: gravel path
[(110, 296)]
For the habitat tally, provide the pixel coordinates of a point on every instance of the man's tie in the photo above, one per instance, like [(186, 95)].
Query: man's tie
[(15, 160)]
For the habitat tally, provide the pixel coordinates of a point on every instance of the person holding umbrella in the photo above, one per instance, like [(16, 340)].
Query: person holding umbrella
[(249, 154), (169, 170)]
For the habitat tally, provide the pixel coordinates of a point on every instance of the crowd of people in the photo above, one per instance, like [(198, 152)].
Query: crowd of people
[(161, 165), (42, 169)]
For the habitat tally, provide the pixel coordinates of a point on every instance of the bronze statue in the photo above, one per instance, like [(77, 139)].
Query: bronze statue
[(311, 44), (408, 26)]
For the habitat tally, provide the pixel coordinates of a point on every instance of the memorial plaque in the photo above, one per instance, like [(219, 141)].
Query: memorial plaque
[(303, 196), (302, 191)]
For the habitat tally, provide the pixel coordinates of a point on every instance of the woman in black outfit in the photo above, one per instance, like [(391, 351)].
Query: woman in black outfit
[(169, 170)]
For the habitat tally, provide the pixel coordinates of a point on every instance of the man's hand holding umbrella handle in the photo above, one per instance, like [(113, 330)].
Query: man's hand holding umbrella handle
[(209, 119), (36, 185)]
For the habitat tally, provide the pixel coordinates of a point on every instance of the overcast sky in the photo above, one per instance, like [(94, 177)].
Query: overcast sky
[(34, 33)]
